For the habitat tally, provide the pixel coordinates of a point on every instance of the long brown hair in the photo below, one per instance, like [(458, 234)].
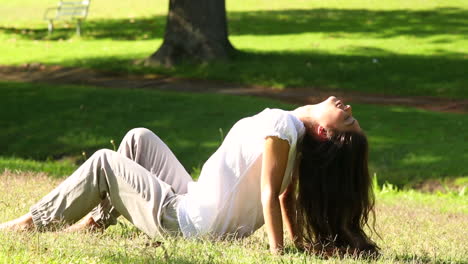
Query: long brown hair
[(335, 191)]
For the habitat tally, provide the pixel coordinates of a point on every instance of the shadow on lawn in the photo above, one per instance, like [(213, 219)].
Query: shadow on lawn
[(364, 70), (379, 24), (49, 122), (408, 145)]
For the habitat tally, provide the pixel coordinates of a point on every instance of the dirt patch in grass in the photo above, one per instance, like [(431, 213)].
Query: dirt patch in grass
[(36, 72), (436, 185)]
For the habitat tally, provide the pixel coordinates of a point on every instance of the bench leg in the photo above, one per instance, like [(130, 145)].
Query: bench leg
[(50, 26), (78, 27)]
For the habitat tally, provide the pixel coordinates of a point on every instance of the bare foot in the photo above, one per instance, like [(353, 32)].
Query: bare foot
[(23, 223), (87, 224)]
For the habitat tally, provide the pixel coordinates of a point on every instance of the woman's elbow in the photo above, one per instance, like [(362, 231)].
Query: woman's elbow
[(269, 196)]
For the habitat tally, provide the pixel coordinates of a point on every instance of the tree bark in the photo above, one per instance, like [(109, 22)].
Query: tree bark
[(196, 31)]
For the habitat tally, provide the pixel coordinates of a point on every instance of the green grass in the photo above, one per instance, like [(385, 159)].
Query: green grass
[(396, 47), (44, 122), (52, 167), (408, 145), (388, 47), (56, 124), (414, 229)]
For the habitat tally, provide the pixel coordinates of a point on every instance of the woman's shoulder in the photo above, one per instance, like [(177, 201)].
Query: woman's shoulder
[(280, 115), (274, 113), (281, 122)]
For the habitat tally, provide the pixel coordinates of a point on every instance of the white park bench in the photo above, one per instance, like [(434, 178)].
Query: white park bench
[(67, 10)]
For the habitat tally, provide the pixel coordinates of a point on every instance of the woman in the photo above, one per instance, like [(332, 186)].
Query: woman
[(305, 169)]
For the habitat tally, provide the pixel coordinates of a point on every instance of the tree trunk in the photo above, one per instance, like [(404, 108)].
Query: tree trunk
[(196, 31)]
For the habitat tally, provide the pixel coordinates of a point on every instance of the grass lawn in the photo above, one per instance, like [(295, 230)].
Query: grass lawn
[(43, 124), (396, 47), (415, 228)]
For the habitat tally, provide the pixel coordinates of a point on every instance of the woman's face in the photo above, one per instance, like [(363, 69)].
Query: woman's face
[(334, 114)]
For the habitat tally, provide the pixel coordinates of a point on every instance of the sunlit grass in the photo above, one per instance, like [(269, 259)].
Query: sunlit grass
[(52, 167), (32, 11), (412, 232)]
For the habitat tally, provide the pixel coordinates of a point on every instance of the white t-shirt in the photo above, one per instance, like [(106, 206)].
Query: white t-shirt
[(226, 198)]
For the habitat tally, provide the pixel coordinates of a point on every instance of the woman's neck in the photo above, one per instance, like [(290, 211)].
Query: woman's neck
[(306, 115)]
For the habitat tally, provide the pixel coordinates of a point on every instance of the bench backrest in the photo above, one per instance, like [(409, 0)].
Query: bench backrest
[(74, 9)]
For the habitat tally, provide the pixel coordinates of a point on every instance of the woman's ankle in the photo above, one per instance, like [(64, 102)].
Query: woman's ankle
[(22, 223), (86, 224)]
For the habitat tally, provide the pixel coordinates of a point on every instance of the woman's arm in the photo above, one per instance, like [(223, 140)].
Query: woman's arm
[(288, 208), (275, 159)]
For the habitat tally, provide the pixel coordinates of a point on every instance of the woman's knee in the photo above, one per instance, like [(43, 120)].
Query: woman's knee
[(103, 153), (139, 134)]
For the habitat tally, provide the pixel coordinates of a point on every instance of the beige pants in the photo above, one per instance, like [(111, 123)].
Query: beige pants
[(140, 181)]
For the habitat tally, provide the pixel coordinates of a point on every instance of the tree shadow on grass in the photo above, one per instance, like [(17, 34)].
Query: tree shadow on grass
[(49, 122), (46, 122), (378, 24), (408, 145), (364, 69), (381, 24)]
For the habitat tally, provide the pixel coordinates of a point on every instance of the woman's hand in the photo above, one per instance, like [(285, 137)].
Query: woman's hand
[(275, 159)]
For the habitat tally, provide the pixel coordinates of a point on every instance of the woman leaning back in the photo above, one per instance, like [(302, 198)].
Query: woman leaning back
[(304, 169)]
